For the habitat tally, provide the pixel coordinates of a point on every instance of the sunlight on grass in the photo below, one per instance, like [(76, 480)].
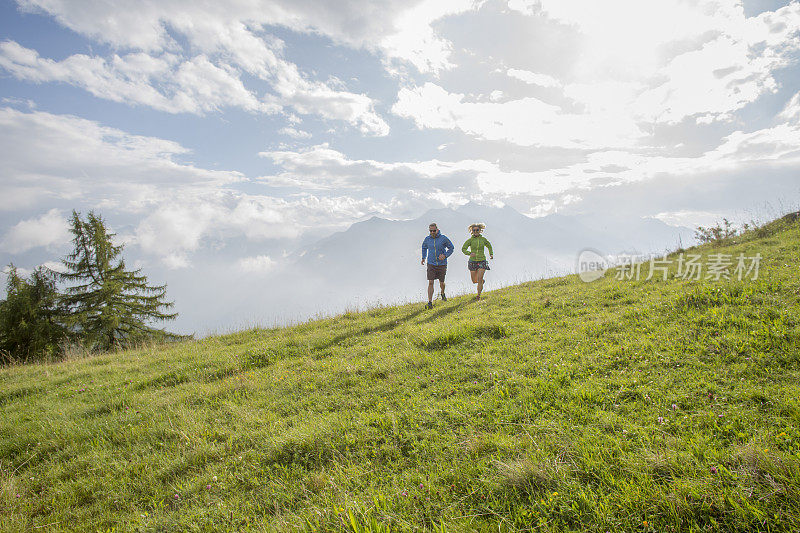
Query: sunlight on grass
[(550, 406)]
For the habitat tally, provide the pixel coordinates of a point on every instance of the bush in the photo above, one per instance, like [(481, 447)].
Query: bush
[(716, 233)]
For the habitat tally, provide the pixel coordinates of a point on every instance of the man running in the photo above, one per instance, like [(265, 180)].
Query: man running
[(437, 248)]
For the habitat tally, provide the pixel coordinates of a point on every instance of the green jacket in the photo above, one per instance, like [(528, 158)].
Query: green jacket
[(476, 244)]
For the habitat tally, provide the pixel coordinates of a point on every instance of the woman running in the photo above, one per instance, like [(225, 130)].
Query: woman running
[(477, 262)]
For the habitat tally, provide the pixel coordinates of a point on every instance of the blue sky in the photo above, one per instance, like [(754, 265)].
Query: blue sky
[(240, 130)]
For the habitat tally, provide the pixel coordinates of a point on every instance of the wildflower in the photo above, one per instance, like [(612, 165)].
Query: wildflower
[(644, 523), (713, 469), (674, 407), (214, 478), (660, 419), (176, 496), (208, 486)]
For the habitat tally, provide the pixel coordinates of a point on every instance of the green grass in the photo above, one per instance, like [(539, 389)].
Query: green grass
[(554, 405)]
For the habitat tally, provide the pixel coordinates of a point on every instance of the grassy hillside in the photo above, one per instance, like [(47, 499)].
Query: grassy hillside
[(556, 405)]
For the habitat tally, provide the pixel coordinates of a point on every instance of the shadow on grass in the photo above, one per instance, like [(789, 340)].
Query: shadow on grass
[(20, 393), (446, 311), (386, 326)]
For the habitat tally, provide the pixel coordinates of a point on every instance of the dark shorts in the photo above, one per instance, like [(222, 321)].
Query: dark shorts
[(475, 265), (436, 272)]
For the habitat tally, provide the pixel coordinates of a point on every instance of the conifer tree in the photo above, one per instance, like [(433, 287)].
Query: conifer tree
[(109, 305), (32, 320)]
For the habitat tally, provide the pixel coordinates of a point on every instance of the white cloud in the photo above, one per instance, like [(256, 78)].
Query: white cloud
[(683, 59), (182, 225), (175, 261), (525, 121), (779, 145), (191, 208), (295, 133), (26, 103), (231, 38), (197, 85), (638, 66), (702, 59), (720, 78), (51, 158), (791, 112), (55, 266), (22, 272), (174, 229), (533, 78), (259, 263), (21, 196), (50, 230), (628, 39), (399, 29), (690, 218), (415, 40), (781, 142), (323, 168), (193, 86), (356, 109), (48, 156)]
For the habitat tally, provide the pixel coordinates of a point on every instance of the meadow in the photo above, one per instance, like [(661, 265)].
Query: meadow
[(554, 405)]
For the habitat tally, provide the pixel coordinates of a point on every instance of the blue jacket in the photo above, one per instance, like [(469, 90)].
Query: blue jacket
[(435, 246)]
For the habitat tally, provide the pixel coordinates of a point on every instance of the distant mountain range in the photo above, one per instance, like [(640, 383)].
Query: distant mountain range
[(380, 258), (378, 261)]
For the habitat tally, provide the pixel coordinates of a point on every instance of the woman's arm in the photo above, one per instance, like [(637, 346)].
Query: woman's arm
[(489, 246), (465, 248)]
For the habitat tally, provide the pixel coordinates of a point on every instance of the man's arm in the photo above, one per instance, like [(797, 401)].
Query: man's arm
[(448, 247), (424, 248)]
